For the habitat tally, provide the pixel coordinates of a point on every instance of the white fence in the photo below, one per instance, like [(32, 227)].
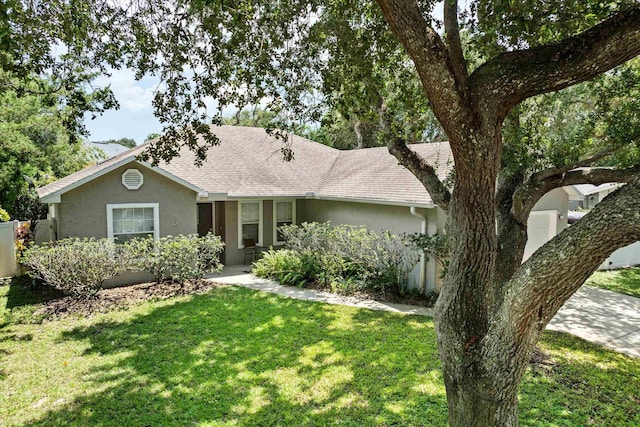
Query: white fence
[(8, 265), (623, 257), (8, 248)]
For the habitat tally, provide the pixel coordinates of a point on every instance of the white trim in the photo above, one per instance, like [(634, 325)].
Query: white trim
[(315, 196), (135, 172), (213, 197), (260, 222), (156, 216), (277, 242), (54, 197)]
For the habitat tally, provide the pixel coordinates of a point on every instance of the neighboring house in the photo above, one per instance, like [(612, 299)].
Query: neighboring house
[(109, 149), (586, 196), (245, 191)]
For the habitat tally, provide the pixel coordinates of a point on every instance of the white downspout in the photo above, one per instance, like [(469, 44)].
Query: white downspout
[(423, 256)]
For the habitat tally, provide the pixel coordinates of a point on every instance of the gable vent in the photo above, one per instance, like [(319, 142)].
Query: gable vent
[(132, 179)]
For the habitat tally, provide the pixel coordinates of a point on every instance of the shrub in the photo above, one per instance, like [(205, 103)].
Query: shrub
[(179, 258), (4, 215), (436, 246), (368, 260), (77, 266), (286, 266)]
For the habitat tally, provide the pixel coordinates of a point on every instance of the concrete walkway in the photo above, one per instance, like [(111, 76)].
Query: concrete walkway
[(252, 282), (602, 317)]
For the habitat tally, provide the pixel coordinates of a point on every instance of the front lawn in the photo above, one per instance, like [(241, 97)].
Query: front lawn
[(625, 281), (234, 356)]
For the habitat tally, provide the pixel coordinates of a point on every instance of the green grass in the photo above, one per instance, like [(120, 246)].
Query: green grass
[(240, 357), (625, 281)]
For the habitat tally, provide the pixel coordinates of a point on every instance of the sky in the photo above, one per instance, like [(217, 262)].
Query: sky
[(135, 117)]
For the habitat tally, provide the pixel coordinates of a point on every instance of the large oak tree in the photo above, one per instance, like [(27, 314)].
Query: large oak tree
[(393, 63)]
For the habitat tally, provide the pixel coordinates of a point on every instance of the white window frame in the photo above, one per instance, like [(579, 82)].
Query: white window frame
[(275, 218), (260, 222), (156, 216)]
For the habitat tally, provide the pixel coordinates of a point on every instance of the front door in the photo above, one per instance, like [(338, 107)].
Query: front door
[(205, 218), (218, 225)]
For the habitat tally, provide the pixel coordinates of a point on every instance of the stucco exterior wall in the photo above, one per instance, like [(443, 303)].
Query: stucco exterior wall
[(396, 219), (83, 210)]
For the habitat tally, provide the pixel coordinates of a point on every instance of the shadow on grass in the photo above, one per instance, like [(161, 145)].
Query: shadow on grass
[(22, 292), (237, 356)]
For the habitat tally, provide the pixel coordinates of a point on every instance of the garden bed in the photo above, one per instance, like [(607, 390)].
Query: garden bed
[(53, 304)]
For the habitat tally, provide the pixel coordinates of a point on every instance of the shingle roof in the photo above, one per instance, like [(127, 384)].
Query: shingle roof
[(248, 163), (374, 174), (110, 149), (87, 172)]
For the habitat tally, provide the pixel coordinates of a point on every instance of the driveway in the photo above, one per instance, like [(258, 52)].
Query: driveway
[(602, 317)]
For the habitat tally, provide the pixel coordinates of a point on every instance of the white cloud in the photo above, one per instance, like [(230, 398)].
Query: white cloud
[(132, 94)]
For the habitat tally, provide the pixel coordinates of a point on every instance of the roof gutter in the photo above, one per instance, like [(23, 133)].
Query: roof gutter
[(423, 255), (316, 196)]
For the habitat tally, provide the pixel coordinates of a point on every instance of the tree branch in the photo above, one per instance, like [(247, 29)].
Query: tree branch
[(598, 176), (452, 38), (414, 163), (546, 173), (527, 195), (422, 170), (546, 280), (542, 284), (424, 45), (514, 76)]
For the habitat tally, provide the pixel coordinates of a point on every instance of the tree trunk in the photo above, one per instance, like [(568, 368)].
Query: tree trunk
[(512, 235), (357, 128), (491, 311), (474, 401), (461, 313)]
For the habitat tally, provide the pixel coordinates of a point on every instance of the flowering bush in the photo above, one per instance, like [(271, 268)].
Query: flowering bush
[(77, 266), (25, 237)]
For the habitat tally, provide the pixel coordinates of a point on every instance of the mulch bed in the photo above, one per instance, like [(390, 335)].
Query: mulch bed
[(117, 298)]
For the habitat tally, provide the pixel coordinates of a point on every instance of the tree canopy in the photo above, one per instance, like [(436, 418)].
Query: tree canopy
[(34, 148)]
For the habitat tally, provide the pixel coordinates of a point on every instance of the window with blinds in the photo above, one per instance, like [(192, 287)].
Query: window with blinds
[(250, 222), (284, 214), (129, 221)]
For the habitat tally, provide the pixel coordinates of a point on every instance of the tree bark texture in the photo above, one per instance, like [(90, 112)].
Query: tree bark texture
[(491, 309)]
